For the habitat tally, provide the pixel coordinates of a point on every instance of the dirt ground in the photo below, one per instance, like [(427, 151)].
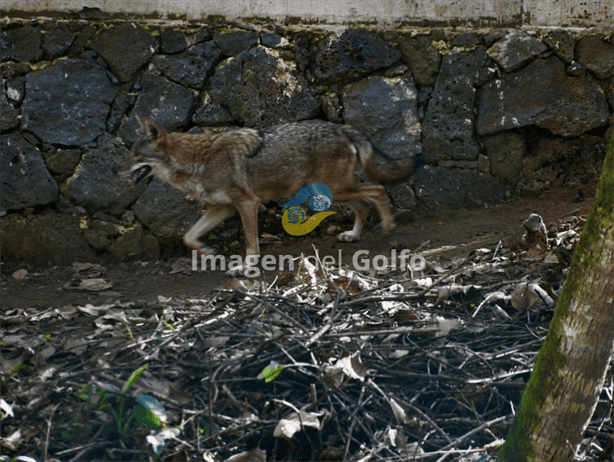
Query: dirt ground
[(419, 230)]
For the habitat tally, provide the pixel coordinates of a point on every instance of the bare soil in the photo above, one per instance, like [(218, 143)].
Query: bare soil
[(422, 229)]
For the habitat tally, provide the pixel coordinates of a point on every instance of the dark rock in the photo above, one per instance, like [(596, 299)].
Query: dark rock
[(209, 114), (403, 197), (78, 45), (52, 239), (109, 228), (101, 217), (596, 55), (449, 119), (166, 102), (438, 187), (505, 151), (273, 40), (467, 164), (22, 44), (542, 94), (97, 238), (95, 186), (8, 113), (260, 90), (575, 70), (25, 180), (485, 75), (493, 36), (63, 161), (68, 103), (332, 107), (121, 104), (126, 48), (302, 53), (77, 26), (173, 41), (483, 164), (11, 69), (356, 53), (151, 246), (195, 131), (164, 211), (424, 96), (562, 43), (233, 42), (64, 206), (91, 13), (15, 89), (387, 110), (135, 242), (46, 149), (56, 42), (287, 55), (397, 71), (128, 218), (192, 67), (100, 230), (128, 244), (515, 50), (33, 140), (202, 35), (466, 39), (562, 162), (421, 57)]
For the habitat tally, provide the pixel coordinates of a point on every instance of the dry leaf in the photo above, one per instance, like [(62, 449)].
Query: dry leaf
[(94, 285), (291, 425), (20, 274)]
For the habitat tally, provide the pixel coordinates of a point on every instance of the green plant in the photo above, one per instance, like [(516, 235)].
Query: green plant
[(146, 410)]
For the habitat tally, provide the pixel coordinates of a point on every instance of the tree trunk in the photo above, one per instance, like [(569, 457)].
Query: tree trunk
[(570, 368)]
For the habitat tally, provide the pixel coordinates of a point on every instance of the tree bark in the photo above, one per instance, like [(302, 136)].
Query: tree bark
[(570, 368)]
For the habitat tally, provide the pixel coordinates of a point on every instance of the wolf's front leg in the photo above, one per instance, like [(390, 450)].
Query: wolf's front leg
[(248, 209), (212, 217)]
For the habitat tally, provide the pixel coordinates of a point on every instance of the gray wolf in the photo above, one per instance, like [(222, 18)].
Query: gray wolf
[(237, 170)]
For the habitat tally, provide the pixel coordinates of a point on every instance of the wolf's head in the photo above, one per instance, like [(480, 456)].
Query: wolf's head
[(147, 154)]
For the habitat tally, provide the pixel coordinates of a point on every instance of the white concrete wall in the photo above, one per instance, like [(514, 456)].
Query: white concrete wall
[(492, 12)]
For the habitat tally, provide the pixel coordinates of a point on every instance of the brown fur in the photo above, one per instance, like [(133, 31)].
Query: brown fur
[(238, 170)]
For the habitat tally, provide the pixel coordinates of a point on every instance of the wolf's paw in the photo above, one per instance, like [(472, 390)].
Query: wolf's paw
[(207, 258), (348, 236), (243, 271), (389, 227), (205, 251)]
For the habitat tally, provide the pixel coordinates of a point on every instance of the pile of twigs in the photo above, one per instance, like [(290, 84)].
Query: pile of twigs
[(320, 364)]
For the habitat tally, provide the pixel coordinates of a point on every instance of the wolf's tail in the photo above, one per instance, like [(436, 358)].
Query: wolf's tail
[(378, 165)]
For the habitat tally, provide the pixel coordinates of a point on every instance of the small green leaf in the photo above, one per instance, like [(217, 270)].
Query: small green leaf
[(135, 375), (271, 372)]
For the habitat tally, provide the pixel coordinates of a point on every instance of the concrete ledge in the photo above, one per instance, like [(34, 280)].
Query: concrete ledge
[(477, 12)]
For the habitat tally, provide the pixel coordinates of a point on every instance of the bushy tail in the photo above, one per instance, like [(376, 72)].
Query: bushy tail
[(378, 165)]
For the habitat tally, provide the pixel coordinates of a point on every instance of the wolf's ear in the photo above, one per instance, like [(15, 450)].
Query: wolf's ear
[(150, 129)]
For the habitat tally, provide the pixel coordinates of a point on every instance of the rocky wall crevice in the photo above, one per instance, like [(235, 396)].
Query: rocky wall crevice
[(495, 112)]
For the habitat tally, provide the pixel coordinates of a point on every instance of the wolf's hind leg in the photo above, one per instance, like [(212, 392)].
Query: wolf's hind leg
[(212, 217), (361, 210), (358, 200)]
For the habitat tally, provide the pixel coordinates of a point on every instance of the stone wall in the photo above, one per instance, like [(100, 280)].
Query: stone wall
[(496, 112)]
